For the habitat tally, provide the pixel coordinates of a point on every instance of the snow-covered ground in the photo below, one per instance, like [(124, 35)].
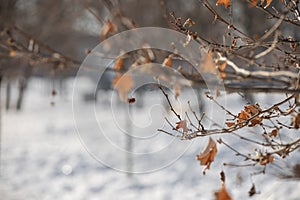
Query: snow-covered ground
[(46, 155)]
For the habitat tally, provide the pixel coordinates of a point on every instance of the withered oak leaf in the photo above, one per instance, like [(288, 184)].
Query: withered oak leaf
[(208, 155)]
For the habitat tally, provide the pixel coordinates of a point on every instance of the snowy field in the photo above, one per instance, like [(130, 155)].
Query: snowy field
[(45, 158)]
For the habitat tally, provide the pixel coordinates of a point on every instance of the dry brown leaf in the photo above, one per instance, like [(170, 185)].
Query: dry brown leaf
[(271, 158), (222, 69), (209, 65), (230, 124), (182, 124), (242, 116), (273, 133), (118, 64), (248, 112), (225, 2), (266, 159), (252, 109), (222, 194), (123, 85), (107, 28), (207, 156), (255, 121), (168, 61)]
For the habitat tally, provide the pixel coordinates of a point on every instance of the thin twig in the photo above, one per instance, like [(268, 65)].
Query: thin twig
[(168, 100), (268, 50)]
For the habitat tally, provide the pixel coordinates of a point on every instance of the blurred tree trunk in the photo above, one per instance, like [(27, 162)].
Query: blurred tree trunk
[(8, 95), (22, 87)]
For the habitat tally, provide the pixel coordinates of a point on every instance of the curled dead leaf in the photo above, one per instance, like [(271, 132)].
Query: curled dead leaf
[(273, 133), (252, 109), (230, 124), (182, 124), (123, 85), (222, 194), (243, 116), (225, 2), (248, 112), (118, 64), (265, 159), (207, 156)]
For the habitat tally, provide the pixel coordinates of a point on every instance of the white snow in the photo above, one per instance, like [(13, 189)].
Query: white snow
[(44, 158)]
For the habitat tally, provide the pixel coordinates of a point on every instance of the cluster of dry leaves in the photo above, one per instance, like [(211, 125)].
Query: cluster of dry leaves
[(124, 83), (250, 113), (253, 3)]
